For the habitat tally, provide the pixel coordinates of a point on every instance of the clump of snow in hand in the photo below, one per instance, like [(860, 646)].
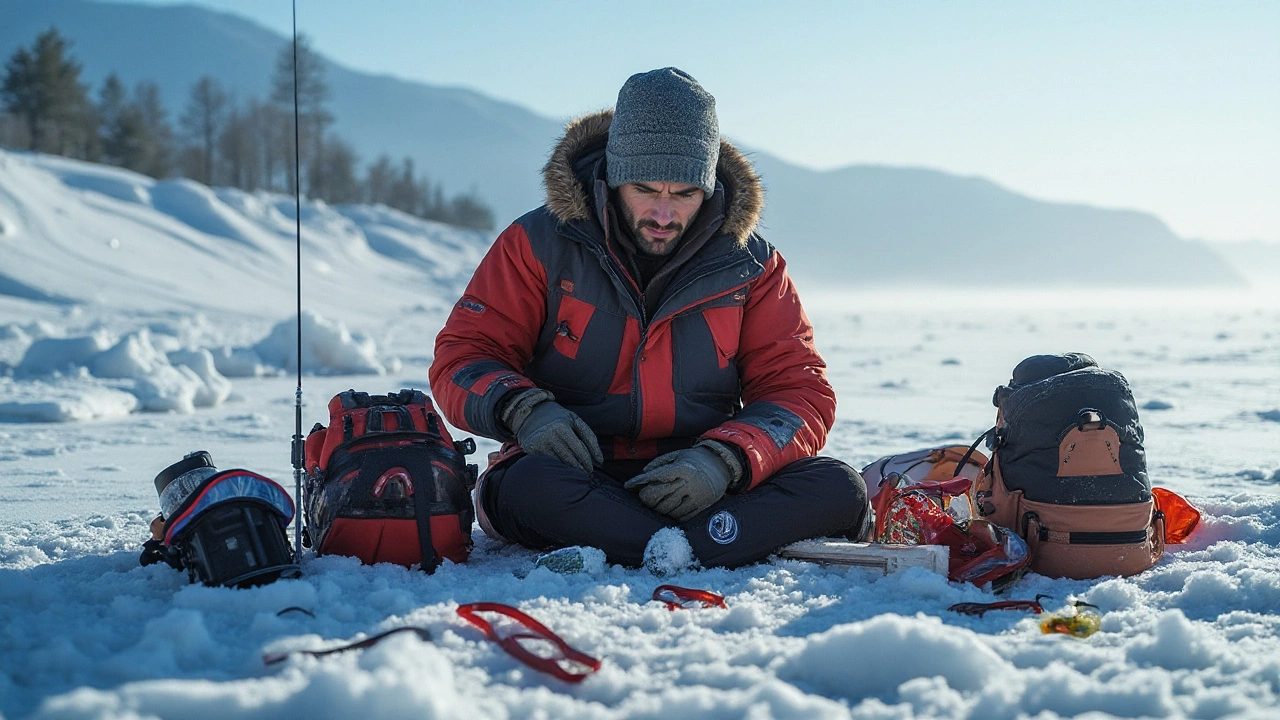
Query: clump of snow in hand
[(873, 658), (668, 553), (328, 348)]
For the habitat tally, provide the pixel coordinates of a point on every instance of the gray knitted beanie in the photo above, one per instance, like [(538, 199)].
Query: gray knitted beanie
[(664, 130)]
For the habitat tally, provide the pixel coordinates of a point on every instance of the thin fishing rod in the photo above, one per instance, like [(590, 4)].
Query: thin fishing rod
[(297, 396)]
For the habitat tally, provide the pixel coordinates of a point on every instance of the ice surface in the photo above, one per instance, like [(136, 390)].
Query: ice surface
[(87, 633)]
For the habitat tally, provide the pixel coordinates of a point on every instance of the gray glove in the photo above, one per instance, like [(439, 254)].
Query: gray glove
[(683, 483), (548, 429)]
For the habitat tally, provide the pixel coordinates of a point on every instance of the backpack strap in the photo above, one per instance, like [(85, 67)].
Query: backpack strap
[(972, 448), (374, 420), (422, 514)]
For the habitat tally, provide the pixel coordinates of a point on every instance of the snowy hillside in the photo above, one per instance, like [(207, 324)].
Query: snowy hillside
[(140, 320), (165, 257)]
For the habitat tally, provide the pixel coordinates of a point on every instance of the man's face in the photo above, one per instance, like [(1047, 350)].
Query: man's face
[(659, 212)]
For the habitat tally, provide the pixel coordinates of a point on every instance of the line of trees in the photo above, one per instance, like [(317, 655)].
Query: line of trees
[(217, 141)]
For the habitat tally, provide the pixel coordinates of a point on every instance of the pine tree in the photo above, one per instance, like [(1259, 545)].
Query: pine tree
[(202, 123), (333, 174), (469, 211), (312, 96), (135, 131), (239, 152), (120, 126), (42, 86), (158, 148), (378, 180), (406, 193)]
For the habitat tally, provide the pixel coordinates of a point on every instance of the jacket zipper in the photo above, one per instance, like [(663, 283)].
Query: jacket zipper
[(639, 306)]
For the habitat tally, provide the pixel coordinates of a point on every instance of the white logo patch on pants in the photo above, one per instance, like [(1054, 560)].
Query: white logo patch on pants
[(723, 527)]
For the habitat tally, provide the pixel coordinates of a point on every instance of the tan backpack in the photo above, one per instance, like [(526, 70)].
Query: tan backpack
[(1068, 471)]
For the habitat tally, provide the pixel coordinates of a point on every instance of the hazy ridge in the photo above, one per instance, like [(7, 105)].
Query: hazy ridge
[(861, 225)]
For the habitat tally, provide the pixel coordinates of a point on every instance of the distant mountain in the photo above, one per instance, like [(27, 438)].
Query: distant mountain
[(458, 137), (860, 224), (871, 224)]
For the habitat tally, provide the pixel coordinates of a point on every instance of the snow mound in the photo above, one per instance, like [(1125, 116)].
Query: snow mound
[(154, 381), (48, 356), (118, 184), (198, 207), (133, 357), (874, 658), (13, 331), (328, 348), (158, 384), (62, 400), (254, 207), (43, 329), (1176, 643), (8, 228), (215, 388), (237, 362)]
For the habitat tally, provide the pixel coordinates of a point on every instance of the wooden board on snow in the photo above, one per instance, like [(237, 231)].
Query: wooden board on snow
[(885, 558)]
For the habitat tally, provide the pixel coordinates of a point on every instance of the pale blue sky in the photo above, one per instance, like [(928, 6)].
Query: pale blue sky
[(1171, 107)]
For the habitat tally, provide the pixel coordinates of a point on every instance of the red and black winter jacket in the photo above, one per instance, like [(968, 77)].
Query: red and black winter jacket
[(728, 354)]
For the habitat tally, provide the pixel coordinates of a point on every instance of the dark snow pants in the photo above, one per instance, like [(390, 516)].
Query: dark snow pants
[(542, 503)]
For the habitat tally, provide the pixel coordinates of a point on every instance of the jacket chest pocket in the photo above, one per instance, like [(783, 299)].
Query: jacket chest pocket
[(572, 319), (725, 326)]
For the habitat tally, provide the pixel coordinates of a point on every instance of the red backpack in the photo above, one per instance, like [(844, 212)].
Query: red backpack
[(386, 483)]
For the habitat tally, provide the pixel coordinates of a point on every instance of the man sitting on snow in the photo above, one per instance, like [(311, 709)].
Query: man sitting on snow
[(643, 353)]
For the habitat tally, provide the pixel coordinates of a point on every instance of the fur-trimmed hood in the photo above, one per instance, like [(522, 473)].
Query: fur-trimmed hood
[(567, 199)]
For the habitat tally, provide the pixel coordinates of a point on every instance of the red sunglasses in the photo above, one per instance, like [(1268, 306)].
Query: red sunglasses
[(680, 598), (562, 661)]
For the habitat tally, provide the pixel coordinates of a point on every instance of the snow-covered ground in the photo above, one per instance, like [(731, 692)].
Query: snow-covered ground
[(158, 319)]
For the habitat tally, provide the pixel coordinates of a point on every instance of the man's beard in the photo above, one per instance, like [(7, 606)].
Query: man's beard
[(643, 244)]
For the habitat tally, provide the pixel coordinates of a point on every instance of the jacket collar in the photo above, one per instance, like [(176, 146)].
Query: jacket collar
[(568, 175)]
